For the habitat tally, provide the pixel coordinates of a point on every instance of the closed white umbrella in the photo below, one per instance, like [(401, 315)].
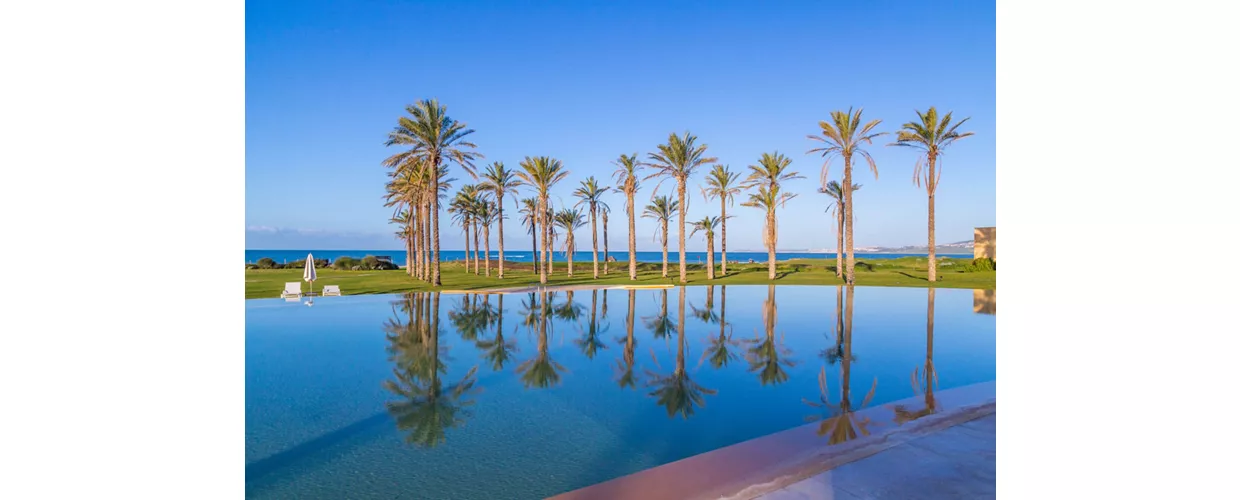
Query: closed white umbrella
[(309, 274)]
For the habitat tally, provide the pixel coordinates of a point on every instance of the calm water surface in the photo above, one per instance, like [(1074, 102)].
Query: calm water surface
[(527, 395)]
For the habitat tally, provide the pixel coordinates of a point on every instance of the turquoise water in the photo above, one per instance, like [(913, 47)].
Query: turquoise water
[(342, 400)]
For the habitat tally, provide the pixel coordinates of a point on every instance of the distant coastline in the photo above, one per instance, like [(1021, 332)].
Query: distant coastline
[(518, 255)]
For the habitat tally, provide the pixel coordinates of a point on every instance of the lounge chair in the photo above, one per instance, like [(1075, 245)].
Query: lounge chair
[(331, 291), (292, 289)]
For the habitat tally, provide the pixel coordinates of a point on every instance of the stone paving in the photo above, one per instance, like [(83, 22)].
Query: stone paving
[(958, 462)]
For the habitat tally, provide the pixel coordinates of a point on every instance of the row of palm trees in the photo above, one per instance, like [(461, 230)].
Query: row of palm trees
[(419, 179), (425, 407)]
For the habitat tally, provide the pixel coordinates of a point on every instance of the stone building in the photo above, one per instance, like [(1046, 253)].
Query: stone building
[(984, 243)]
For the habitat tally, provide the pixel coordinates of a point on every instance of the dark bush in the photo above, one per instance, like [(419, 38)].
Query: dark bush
[(370, 262), (344, 263), (266, 263), (982, 264), (386, 266)]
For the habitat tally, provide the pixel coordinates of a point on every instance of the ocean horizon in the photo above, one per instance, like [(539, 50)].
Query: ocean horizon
[(398, 256)]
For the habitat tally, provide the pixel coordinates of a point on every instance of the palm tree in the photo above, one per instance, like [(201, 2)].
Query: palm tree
[(661, 209), (591, 195), (676, 391), (605, 210), (402, 193), (541, 371), (926, 379), (721, 183), (626, 181), (836, 193), (529, 218), (707, 225), (487, 216), (768, 199), (625, 376), (591, 343), (464, 206), (720, 349), (771, 170), (541, 173), (499, 181), (840, 423), (843, 137), (767, 356), (569, 219), (929, 137), (678, 159), (436, 139)]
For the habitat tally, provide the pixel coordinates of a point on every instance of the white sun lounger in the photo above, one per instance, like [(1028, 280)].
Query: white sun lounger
[(331, 291), (292, 289)]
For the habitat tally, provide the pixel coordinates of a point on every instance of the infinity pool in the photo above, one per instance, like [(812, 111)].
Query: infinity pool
[(532, 394)]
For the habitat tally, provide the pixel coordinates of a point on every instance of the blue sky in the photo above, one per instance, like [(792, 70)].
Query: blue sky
[(584, 82)]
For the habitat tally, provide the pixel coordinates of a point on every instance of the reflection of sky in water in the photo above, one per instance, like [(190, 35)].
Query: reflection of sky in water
[(317, 426)]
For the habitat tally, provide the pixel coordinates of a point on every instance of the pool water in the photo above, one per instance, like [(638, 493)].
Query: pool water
[(530, 395)]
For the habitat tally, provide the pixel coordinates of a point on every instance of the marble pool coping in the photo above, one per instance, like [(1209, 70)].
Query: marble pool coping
[(758, 466)]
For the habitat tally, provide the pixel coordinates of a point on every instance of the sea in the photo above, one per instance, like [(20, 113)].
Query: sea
[(398, 256)]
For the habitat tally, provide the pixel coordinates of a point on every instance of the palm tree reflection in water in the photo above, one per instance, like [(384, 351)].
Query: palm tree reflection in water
[(496, 350), (661, 325), (767, 356), (676, 391), (839, 422), (625, 377), (425, 409), (925, 378), (719, 349), (542, 371), (590, 342)]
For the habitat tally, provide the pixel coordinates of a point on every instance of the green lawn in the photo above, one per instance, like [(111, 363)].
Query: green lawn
[(905, 272)]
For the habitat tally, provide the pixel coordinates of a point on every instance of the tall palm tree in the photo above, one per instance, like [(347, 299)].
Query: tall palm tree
[(662, 209), (625, 376), (591, 195), (402, 193), (767, 356), (529, 218), (499, 181), (772, 169), (464, 206), (840, 423), (676, 391), (569, 219), (930, 137), (836, 194), (926, 379), (591, 342), (626, 181), (843, 136), (541, 371), (605, 210), (768, 199), (435, 138), (487, 215), (721, 183), (541, 173), (707, 225), (677, 160)]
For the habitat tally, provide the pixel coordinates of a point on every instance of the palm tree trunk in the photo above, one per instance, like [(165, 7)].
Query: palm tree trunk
[(435, 278), (426, 243), (680, 191), (839, 242), (723, 237), (932, 275), (568, 252), (409, 244), (606, 255), (465, 227), (534, 236), (594, 235), (930, 374), (542, 219), (709, 258), (499, 203), (417, 248), (632, 209), (476, 223), (664, 248), (849, 277), (486, 238), (846, 360), (770, 244)]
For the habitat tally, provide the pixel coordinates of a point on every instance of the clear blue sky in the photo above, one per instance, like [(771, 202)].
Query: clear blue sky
[(326, 81)]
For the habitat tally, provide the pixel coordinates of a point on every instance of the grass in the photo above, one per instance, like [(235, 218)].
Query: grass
[(901, 272)]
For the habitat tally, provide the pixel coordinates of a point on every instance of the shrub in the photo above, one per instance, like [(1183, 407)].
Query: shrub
[(344, 263), (266, 263), (386, 266), (982, 264), (370, 262)]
